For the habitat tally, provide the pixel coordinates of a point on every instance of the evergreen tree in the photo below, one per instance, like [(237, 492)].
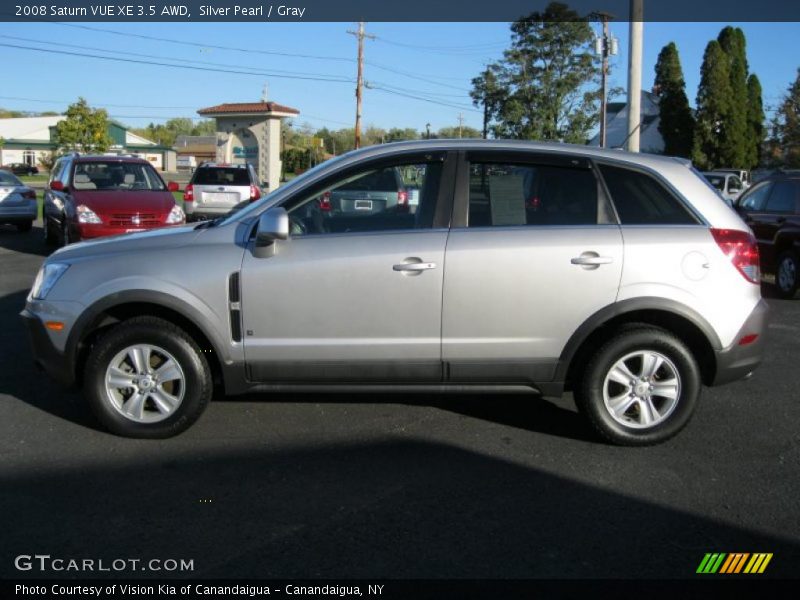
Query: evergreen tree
[(546, 83), (788, 124), (755, 122), (736, 151), (676, 123), (711, 137)]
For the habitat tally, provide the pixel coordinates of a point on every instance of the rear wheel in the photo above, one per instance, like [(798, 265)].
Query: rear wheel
[(786, 274), (640, 388), (147, 378), (25, 226)]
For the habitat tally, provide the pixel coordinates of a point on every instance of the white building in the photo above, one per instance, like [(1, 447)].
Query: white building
[(30, 140)]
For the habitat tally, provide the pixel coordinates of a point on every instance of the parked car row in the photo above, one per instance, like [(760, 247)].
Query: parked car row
[(17, 202)]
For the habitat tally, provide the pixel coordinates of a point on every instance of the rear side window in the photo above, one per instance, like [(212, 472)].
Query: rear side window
[(641, 200), (508, 195), (783, 198), (221, 176)]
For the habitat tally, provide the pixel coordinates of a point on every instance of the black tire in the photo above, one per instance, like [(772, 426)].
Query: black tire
[(157, 332), (66, 238), (786, 275), (49, 238), (589, 391), (25, 226)]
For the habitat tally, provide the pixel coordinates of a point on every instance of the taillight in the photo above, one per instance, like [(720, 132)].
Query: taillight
[(402, 197), (325, 202), (188, 193), (255, 193), (29, 195), (742, 249)]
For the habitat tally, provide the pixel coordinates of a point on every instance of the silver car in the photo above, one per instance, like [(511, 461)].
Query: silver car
[(18, 204), (217, 189), (619, 277)]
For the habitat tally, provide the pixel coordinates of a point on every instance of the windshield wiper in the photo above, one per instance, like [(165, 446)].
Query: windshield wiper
[(211, 223)]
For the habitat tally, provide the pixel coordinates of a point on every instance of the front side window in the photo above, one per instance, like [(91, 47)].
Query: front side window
[(783, 197), (380, 199), (756, 198), (507, 195), (641, 200), (116, 176)]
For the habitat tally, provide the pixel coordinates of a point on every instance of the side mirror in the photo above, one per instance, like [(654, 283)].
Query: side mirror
[(172, 186), (272, 225), (56, 186)]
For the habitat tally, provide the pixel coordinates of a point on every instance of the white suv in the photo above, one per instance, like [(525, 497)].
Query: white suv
[(621, 277)]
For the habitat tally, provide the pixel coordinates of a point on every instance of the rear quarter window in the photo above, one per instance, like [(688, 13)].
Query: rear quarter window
[(640, 199)]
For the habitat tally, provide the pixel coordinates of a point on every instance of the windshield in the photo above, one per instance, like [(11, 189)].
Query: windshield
[(297, 182), (116, 176), (8, 179), (717, 181)]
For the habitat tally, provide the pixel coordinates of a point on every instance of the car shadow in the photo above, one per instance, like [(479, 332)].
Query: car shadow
[(378, 509), (29, 242)]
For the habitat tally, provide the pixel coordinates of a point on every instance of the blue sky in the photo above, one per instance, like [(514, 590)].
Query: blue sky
[(443, 57)]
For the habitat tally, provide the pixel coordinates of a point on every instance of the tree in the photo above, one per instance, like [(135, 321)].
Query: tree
[(486, 94), (396, 134), (546, 83), (85, 129), (755, 122), (713, 110), (455, 132), (676, 123), (735, 151), (787, 125)]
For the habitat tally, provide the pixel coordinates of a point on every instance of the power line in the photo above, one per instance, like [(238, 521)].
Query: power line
[(406, 95), (160, 57), (215, 47), (160, 64)]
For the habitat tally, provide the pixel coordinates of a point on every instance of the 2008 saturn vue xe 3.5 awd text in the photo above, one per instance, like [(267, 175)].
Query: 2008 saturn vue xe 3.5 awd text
[(621, 277)]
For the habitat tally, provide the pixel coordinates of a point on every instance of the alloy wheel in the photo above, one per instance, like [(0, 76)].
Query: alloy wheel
[(641, 389), (145, 383)]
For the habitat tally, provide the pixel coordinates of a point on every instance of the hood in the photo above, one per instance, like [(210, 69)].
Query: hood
[(138, 201), (165, 237)]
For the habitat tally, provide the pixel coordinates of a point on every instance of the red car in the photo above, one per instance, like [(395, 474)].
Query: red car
[(94, 196)]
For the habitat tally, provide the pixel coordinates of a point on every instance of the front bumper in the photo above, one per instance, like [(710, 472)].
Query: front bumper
[(737, 362), (45, 354), (89, 232)]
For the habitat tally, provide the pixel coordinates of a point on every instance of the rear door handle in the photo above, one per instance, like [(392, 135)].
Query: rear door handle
[(591, 260), (414, 267)]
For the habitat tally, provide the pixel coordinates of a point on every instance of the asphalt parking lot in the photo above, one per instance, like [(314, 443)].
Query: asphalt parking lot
[(342, 486)]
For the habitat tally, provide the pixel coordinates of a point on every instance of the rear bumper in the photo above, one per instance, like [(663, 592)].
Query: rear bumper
[(737, 361), (45, 354), (17, 214)]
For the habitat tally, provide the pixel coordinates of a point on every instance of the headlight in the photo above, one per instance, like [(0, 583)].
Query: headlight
[(87, 215), (46, 279), (176, 215)]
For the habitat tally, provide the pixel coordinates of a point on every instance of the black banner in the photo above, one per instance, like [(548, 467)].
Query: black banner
[(373, 10), (700, 587)]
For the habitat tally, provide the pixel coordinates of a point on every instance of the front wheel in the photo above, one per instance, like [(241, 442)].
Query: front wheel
[(146, 378), (786, 275), (640, 388)]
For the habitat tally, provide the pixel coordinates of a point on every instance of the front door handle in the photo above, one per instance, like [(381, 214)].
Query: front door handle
[(414, 267), (591, 260)]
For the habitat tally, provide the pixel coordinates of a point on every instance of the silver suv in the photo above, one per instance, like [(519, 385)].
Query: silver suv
[(619, 277), (217, 189)]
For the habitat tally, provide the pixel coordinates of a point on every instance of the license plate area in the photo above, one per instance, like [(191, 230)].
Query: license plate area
[(363, 205)]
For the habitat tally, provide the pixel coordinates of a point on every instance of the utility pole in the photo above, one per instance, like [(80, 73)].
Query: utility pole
[(605, 46), (427, 131), (360, 79), (635, 74), (460, 124)]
